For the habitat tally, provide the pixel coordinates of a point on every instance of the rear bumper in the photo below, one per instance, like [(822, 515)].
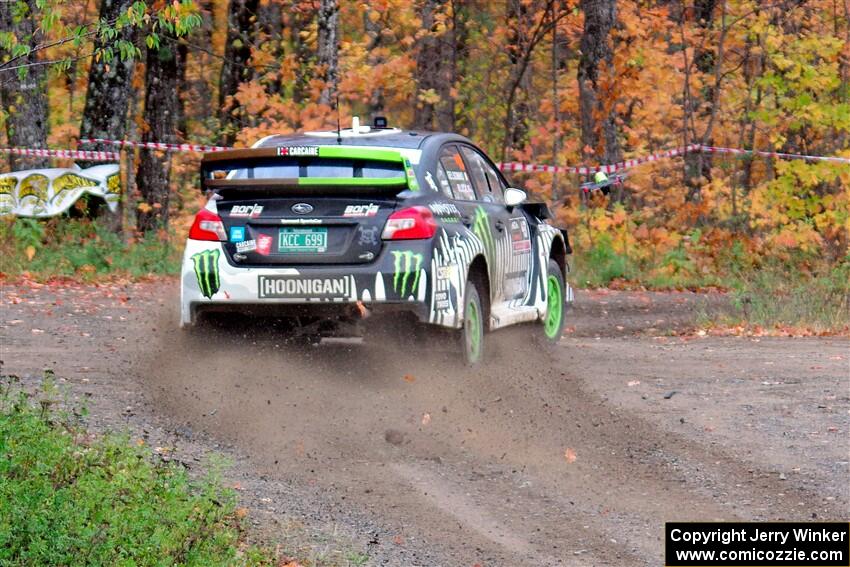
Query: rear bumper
[(399, 278)]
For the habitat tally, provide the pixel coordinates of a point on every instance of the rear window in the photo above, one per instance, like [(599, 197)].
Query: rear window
[(290, 168)]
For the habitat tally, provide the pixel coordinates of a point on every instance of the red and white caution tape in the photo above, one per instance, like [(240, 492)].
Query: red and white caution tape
[(780, 155), (72, 154), (630, 163), (611, 168), (507, 166), (155, 145)]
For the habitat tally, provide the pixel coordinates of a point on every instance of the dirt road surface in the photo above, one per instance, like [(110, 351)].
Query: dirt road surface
[(382, 454)]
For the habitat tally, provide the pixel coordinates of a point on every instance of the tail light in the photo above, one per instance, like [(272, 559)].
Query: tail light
[(413, 223), (207, 226)]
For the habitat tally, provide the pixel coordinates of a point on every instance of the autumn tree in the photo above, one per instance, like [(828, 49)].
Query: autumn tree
[(110, 82), (436, 65), (161, 115), (597, 83), (23, 92), (327, 51), (235, 70)]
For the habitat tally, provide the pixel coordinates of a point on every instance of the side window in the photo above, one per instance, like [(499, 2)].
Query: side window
[(474, 163), (497, 186), (457, 175), (443, 181), (484, 176)]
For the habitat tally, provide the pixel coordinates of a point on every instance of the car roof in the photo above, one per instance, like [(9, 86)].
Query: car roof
[(387, 138)]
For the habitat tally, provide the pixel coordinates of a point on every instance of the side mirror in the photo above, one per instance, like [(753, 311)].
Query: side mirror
[(514, 196)]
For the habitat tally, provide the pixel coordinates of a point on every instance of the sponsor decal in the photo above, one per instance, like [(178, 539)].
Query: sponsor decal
[(520, 242), (113, 184), (72, 181), (246, 246), (302, 208), (441, 300), (407, 263), (237, 233), (290, 287), (206, 270), (444, 209), (369, 210), (411, 176), (7, 185), (368, 236), (445, 272), (456, 175), (301, 221), (57, 199), (430, 179), (481, 228), (264, 244), (298, 151), (34, 185), (246, 211)]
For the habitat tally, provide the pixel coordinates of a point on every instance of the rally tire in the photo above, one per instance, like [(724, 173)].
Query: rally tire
[(472, 333), (555, 318)]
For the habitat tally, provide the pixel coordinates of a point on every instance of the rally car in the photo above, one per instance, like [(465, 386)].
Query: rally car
[(326, 228)]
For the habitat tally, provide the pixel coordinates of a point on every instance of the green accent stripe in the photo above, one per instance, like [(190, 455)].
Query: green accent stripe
[(353, 181), (215, 256), (196, 260), (360, 153)]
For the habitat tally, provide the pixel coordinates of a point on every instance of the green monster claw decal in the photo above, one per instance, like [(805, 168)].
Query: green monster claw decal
[(406, 263), (206, 270), (481, 227)]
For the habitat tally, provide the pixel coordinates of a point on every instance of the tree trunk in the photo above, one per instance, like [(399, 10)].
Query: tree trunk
[(328, 50), (24, 97), (556, 110), (698, 164), (433, 70), (162, 105), (373, 30), (270, 20), (516, 122), (109, 87), (299, 20), (599, 133), (241, 35)]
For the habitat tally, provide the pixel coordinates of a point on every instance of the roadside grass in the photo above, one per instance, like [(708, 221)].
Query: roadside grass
[(795, 294), (71, 498), (779, 298), (81, 249)]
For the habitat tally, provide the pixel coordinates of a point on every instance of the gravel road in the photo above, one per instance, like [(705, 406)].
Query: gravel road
[(383, 454)]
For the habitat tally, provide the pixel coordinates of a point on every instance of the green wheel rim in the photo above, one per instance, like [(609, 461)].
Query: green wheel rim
[(473, 331), (555, 308)]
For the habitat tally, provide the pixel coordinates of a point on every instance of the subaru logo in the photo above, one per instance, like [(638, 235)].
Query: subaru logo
[(302, 208)]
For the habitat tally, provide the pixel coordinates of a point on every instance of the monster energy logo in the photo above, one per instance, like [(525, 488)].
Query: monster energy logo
[(406, 263), (481, 227), (206, 270)]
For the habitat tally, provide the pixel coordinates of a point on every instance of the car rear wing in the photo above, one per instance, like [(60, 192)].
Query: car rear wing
[(218, 170)]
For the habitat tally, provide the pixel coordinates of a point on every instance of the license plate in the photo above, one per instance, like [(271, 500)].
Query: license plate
[(302, 240)]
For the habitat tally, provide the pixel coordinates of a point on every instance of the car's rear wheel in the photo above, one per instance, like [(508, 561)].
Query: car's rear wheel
[(472, 334)]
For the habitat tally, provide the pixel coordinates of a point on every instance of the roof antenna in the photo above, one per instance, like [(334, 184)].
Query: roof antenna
[(338, 130)]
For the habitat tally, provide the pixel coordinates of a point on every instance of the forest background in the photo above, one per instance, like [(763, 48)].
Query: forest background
[(562, 82)]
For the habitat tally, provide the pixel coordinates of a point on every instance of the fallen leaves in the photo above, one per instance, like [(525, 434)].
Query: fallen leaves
[(570, 455), (409, 378)]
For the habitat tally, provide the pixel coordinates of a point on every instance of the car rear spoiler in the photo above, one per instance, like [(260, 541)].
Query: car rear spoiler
[(306, 185)]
